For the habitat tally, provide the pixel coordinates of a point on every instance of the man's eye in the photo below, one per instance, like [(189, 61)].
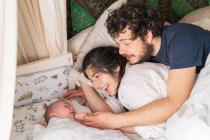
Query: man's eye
[(127, 43)]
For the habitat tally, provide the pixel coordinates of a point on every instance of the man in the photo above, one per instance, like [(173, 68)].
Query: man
[(141, 36)]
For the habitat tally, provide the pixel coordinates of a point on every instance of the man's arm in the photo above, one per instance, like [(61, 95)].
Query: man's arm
[(179, 85)]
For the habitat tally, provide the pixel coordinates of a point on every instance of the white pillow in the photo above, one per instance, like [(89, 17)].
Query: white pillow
[(41, 86), (142, 84), (24, 118), (75, 43), (98, 36), (196, 15), (204, 23), (192, 120)]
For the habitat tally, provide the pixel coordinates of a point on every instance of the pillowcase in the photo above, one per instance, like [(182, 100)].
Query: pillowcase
[(142, 84), (24, 118), (204, 23), (75, 43), (40, 86), (97, 37), (43, 80), (196, 15)]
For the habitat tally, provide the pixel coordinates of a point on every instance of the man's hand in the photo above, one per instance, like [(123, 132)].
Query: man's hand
[(101, 120), (76, 93)]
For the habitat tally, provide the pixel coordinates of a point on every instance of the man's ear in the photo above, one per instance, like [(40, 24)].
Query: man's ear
[(149, 36)]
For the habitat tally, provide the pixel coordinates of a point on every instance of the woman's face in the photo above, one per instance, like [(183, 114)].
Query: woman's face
[(103, 81)]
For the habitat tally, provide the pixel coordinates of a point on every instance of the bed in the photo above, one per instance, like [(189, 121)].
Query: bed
[(39, 84), (42, 82)]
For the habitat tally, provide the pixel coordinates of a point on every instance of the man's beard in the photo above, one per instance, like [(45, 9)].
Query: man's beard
[(147, 54)]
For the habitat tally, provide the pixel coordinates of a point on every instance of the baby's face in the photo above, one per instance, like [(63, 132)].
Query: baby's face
[(64, 110)]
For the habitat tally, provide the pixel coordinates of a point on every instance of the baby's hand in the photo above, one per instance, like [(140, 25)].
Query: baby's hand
[(80, 116), (43, 123)]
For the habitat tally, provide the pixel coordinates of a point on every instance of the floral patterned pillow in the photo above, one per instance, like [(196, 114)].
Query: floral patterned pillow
[(40, 86), (25, 117)]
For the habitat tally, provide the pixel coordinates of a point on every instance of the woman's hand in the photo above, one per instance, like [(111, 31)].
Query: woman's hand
[(76, 93)]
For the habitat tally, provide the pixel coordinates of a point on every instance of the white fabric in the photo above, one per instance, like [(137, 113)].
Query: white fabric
[(31, 43), (140, 85), (25, 117), (98, 36), (192, 121), (75, 43), (112, 101), (196, 15), (204, 23), (40, 86), (42, 31), (45, 64), (53, 14), (67, 129), (8, 38), (43, 80), (78, 108)]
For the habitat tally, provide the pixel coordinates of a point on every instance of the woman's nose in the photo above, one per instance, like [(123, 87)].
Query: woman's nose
[(96, 84)]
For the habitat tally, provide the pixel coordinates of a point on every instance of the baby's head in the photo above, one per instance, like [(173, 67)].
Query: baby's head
[(59, 109)]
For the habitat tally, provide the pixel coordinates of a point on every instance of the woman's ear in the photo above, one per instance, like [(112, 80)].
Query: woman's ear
[(117, 69)]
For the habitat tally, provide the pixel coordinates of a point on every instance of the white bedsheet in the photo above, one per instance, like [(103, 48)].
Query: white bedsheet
[(67, 129), (192, 121)]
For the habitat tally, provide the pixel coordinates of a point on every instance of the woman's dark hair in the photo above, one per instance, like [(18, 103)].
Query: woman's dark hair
[(138, 17), (105, 59)]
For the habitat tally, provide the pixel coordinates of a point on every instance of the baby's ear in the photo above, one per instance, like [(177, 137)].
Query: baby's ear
[(45, 106), (51, 115)]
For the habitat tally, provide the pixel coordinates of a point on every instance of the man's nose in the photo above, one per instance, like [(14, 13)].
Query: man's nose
[(122, 50)]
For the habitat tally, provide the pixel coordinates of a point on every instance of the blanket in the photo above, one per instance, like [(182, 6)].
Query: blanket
[(192, 121), (67, 129)]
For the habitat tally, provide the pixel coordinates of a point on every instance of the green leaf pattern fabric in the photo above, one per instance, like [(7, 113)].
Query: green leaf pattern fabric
[(83, 13)]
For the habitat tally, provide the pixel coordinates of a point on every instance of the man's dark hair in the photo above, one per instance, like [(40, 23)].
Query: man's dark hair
[(138, 17)]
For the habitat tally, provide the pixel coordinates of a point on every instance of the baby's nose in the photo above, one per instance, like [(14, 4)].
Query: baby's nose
[(70, 107)]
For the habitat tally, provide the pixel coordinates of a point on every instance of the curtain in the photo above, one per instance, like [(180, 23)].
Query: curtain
[(41, 29), (8, 43)]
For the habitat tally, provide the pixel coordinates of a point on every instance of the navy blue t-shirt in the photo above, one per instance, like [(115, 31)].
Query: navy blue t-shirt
[(184, 45)]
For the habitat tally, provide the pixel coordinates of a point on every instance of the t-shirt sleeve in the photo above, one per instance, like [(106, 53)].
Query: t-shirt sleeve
[(185, 51)]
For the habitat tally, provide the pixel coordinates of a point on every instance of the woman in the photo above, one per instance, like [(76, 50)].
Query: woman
[(134, 85)]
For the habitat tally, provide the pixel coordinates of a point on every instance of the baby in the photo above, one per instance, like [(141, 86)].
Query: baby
[(60, 117), (62, 109)]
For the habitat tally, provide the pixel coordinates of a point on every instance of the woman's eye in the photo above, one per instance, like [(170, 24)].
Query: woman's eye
[(97, 76)]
